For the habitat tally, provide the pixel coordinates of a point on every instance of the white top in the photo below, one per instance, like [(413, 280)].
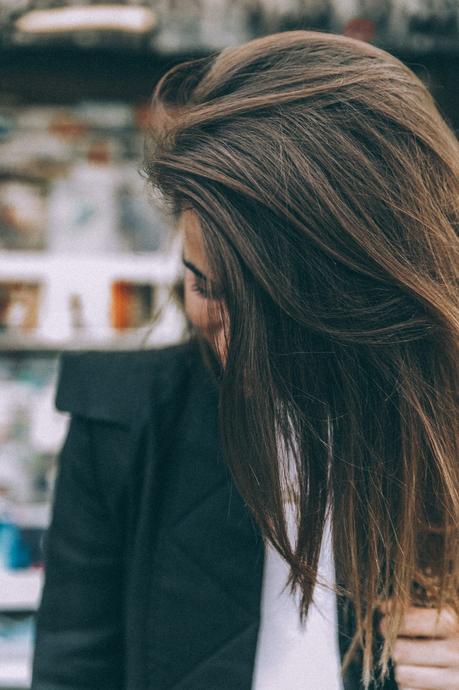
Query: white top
[(290, 655)]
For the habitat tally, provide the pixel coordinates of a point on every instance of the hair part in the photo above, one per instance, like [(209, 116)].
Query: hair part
[(326, 184)]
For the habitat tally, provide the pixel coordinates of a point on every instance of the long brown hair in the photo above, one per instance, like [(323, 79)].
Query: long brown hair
[(326, 184)]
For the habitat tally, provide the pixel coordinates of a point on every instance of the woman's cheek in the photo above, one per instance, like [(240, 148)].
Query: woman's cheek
[(197, 310)]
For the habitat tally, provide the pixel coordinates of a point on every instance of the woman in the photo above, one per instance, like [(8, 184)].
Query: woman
[(317, 188)]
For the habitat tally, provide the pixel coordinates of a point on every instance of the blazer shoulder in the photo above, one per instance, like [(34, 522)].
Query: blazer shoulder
[(114, 386)]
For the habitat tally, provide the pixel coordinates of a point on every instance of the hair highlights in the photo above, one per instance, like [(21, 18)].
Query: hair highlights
[(326, 184)]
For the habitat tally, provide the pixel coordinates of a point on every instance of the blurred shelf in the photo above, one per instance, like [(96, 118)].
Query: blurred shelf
[(30, 515), (42, 344), (20, 590), (132, 340), (158, 268), (15, 673)]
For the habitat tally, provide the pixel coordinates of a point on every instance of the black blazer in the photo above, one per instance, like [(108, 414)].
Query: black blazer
[(153, 563)]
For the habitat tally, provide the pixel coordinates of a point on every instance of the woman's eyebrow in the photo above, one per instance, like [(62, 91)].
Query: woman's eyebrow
[(193, 268)]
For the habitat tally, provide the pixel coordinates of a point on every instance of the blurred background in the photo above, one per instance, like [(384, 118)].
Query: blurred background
[(87, 260)]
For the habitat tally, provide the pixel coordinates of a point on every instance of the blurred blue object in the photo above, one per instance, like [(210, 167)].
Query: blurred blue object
[(14, 553), (6, 126)]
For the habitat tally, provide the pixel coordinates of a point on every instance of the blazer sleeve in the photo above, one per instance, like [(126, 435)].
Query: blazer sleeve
[(79, 624)]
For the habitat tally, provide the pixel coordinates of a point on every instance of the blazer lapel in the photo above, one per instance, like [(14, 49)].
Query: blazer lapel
[(206, 573)]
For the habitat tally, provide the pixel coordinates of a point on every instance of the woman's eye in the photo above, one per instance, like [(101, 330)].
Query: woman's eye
[(200, 289)]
